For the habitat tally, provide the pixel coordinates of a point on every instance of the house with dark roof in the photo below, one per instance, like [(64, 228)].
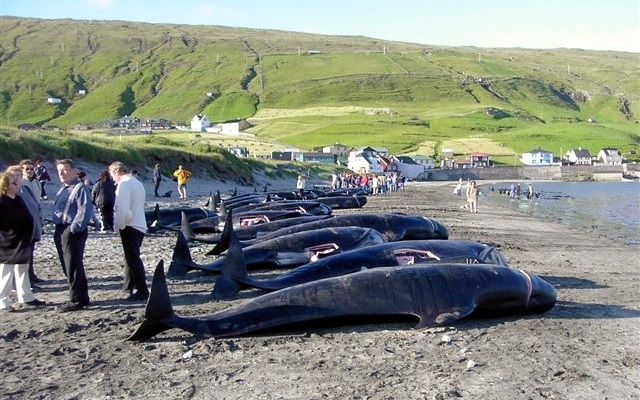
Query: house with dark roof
[(366, 160), (609, 156), (578, 156), (407, 166), (200, 123), (537, 157)]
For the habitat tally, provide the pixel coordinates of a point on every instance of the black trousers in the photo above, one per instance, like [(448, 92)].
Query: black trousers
[(156, 186), (70, 247), (106, 214), (134, 275)]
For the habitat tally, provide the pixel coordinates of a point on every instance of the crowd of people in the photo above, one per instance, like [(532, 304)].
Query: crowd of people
[(114, 203), (374, 183)]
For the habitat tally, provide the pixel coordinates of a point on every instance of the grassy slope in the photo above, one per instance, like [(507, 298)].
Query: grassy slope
[(426, 99)]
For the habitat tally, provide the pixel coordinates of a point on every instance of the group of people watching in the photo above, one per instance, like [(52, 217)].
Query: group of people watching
[(374, 183), (118, 196)]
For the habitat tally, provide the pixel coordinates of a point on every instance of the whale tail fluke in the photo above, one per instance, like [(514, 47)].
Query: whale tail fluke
[(158, 308), (233, 268)]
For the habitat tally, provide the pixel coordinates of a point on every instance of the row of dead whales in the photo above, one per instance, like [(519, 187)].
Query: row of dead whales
[(340, 268)]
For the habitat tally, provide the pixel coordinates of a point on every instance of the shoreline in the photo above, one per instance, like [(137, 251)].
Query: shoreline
[(585, 347)]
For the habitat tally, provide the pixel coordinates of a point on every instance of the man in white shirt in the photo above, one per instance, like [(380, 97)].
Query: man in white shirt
[(129, 220)]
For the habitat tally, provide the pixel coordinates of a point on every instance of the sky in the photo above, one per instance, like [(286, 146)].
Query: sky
[(541, 24)]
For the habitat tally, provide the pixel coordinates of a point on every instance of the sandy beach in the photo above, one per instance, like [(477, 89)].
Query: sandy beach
[(586, 347)]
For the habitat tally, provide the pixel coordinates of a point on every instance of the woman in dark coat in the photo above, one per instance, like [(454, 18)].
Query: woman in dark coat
[(103, 196), (17, 230)]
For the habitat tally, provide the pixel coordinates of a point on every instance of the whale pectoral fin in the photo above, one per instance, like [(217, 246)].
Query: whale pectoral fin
[(452, 314)]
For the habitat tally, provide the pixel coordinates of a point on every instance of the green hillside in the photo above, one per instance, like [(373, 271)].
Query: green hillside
[(358, 91)]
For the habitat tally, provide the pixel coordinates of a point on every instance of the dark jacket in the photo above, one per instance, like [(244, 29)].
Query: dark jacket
[(16, 231), (103, 194)]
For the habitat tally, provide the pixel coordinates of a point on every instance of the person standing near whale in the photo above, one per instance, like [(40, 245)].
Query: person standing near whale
[(182, 177), (72, 211), (130, 221)]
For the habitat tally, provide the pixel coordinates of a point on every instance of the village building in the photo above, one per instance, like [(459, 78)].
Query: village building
[(200, 123), (426, 161), (578, 156), (473, 160), (151, 124), (407, 166), (287, 155), (609, 156), (126, 122), (366, 160), (319, 157), (537, 157), (232, 127), (337, 149)]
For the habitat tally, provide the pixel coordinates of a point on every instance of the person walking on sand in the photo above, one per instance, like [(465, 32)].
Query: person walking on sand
[(72, 212), (300, 183), (132, 225), (42, 175), (182, 177), (472, 197), (103, 196), (18, 231), (156, 177)]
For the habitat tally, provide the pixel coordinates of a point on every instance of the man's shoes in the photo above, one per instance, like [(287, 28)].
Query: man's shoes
[(35, 303), (71, 306), (45, 198), (138, 297), (7, 310)]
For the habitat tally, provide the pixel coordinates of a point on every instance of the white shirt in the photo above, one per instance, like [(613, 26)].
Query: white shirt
[(129, 207)]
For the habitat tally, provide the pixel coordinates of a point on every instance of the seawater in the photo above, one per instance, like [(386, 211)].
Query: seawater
[(609, 208)]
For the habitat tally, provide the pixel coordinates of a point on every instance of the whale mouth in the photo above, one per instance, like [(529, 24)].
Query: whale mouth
[(529, 286), (413, 256)]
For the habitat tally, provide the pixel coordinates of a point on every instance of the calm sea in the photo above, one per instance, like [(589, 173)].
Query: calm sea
[(610, 208)]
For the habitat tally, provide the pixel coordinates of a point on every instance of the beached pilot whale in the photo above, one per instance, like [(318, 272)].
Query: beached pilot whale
[(283, 252), (435, 294), (234, 275), (394, 226)]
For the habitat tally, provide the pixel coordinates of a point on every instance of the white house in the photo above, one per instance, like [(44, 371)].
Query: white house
[(537, 157), (200, 123), (233, 127), (609, 156), (364, 161), (578, 156)]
